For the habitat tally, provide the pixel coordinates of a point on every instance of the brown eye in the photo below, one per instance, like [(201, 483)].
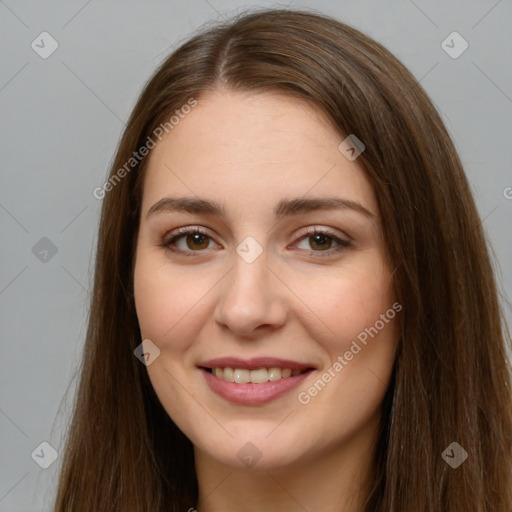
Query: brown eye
[(320, 241), (186, 241), (196, 241)]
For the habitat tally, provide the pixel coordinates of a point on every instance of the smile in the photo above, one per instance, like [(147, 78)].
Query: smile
[(253, 382), (259, 376)]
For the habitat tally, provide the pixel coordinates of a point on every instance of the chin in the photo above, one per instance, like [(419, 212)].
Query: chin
[(257, 449)]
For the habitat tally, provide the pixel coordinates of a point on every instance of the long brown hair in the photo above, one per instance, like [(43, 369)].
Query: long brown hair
[(450, 380)]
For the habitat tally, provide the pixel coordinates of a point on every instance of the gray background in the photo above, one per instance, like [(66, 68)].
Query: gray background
[(62, 118)]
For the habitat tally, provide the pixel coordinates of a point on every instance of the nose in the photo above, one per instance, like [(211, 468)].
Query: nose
[(251, 299)]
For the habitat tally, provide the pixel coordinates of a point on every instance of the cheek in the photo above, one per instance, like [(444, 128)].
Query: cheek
[(360, 351), (163, 299), (361, 307), (347, 303)]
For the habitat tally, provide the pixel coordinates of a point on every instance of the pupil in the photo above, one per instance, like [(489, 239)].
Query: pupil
[(321, 239), (197, 238)]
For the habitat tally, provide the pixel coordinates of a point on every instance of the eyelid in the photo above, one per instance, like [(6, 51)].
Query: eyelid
[(185, 230), (312, 230)]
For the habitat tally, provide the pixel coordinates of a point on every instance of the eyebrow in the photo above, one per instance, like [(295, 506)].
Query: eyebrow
[(285, 207)]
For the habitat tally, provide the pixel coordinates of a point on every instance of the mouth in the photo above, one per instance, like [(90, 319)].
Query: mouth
[(255, 381), (258, 376)]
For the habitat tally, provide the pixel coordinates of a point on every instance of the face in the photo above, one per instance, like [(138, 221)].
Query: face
[(266, 291)]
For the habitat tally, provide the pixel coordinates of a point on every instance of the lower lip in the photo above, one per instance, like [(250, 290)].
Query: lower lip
[(250, 393)]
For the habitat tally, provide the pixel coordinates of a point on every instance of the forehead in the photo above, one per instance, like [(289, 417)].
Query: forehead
[(249, 151)]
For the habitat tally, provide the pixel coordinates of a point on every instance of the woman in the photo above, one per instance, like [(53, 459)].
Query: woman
[(294, 306)]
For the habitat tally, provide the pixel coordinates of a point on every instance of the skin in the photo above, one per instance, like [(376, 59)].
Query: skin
[(248, 151)]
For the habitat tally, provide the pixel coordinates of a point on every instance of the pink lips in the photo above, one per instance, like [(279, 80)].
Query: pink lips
[(251, 393)]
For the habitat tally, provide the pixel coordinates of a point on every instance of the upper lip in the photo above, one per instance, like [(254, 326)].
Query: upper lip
[(254, 363)]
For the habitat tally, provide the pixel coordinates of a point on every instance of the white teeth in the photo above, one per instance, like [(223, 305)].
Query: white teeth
[(242, 376), (274, 373), (229, 374), (259, 376)]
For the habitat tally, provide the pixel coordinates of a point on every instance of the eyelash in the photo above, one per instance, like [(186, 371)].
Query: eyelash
[(168, 243)]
